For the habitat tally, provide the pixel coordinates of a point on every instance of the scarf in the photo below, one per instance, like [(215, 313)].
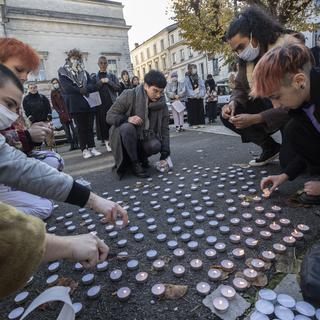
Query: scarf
[(194, 79), (78, 77)]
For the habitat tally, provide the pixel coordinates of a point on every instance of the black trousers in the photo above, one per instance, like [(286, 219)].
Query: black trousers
[(84, 122), (71, 133), (211, 110), (304, 140), (137, 150), (258, 133), (195, 112), (101, 123)]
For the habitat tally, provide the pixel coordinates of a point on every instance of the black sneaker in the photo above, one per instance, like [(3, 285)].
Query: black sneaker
[(266, 156), (139, 171)]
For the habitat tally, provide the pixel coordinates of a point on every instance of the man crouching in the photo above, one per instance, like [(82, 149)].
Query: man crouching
[(140, 126)]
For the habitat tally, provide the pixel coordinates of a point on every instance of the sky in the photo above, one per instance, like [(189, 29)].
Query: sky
[(146, 18)]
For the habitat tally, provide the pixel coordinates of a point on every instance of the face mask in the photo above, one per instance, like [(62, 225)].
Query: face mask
[(194, 71), (174, 79), (7, 117), (56, 86), (249, 53)]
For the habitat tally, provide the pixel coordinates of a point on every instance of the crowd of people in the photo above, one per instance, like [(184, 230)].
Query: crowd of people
[(276, 89)]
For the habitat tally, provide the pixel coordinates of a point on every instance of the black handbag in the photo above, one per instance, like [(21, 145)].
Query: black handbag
[(310, 275)]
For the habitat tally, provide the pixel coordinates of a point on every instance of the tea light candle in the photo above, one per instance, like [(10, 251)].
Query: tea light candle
[(285, 222), (94, 292), (250, 274), (185, 237), (134, 229), (268, 295), (172, 244), (245, 204), (152, 254), (220, 247), (220, 216), (21, 297), (78, 267), (247, 230), (264, 307), (200, 218), (259, 209), (123, 294), (53, 267), (203, 288), (297, 234), (227, 265), (235, 221), (211, 240), (238, 253), (257, 264), (141, 215), (210, 213), (213, 224), (265, 234), (210, 253), (235, 238), (158, 290), (233, 191), (251, 242), (224, 229), (303, 228), (276, 209), (193, 245), (221, 304), (103, 266), (229, 201), (176, 229), (228, 292), (270, 215), (199, 233), (232, 209), (138, 237), (196, 264), (52, 280), (189, 224), (161, 237), (214, 274), (305, 309), (289, 241), (158, 265), (286, 301), (134, 264), (122, 243), (274, 227), (279, 248), (268, 255), (16, 313), (116, 275), (113, 234), (220, 194), (179, 271), (285, 313), (179, 253), (256, 199), (247, 216), (240, 284)]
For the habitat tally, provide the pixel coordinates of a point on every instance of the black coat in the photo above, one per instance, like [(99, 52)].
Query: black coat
[(74, 95), (37, 106), (316, 54)]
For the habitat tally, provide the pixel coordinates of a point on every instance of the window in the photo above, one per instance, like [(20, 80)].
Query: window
[(174, 58), (138, 74), (141, 56), (112, 66), (143, 71), (190, 52), (182, 55), (41, 75), (215, 67), (148, 53), (149, 67), (164, 64), (156, 65), (155, 49), (162, 44), (137, 60), (202, 70), (172, 39)]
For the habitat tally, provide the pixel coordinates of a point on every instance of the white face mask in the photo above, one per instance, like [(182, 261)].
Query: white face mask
[(56, 86), (194, 71), (249, 53), (7, 117)]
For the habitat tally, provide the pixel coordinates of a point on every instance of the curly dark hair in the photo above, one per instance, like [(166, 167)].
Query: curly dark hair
[(256, 22), (75, 53)]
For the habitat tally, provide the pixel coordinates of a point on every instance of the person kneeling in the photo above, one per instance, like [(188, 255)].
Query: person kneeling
[(140, 126)]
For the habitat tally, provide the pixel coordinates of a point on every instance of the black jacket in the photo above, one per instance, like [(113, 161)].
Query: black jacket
[(316, 54), (37, 106)]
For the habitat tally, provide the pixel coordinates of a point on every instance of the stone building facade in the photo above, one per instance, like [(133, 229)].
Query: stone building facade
[(53, 27), (167, 51)]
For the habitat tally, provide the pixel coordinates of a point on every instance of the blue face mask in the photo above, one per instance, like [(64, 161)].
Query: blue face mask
[(249, 53)]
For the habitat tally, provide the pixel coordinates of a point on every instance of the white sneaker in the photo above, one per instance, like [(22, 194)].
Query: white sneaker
[(86, 154), (95, 152), (108, 146)]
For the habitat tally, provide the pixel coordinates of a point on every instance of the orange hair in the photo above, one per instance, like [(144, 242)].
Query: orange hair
[(13, 48), (272, 68)]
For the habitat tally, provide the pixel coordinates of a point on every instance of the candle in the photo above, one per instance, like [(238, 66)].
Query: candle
[(235, 238), (53, 267), (87, 279), (78, 267), (185, 214), (172, 244), (245, 204), (189, 224), (21, 297), (256, 199), (268, 256), (213, 224), (250, 274), (260, 222), (289, 241), (185, 237), (113, 234), (214, 274), (305, 309), (161, 237), (220, 247), (297, 234), (232, 209), (279, 248), (176, 229), (158, 290), (229, 201), (266, 193), (196, 264), (193, 245), (259, 209), (240, 284), (123, 294), (197, 209), (179, 271), (228, 292), (220, 194), (116, 275), (203, 288), (221, 304), (251, 243), (303, 228), (224, 229), (264, 307), (152, 254), (265, 234), (211, 240), (210, 213), (235, 221), (233, 191), (227, 265), (200, 218), (134, 229), (270, 215), (286, 301), (158, 265), (52, 280), (179, 253), (247, 216), (268, 294), (132, 264), (220, 216), (94, 292), (257, 264), (276, 209), (238, 253), (285, 313), (285, 222), (275, 227), (77, 307), (210, 253), (247, 230), (122, 243), (199, 233), (142, 277), (103, 266)]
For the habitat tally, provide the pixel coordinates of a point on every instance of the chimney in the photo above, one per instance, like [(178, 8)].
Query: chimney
[(136, 45)]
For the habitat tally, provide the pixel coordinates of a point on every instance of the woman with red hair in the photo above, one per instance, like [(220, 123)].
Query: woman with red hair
[(287, 77)]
